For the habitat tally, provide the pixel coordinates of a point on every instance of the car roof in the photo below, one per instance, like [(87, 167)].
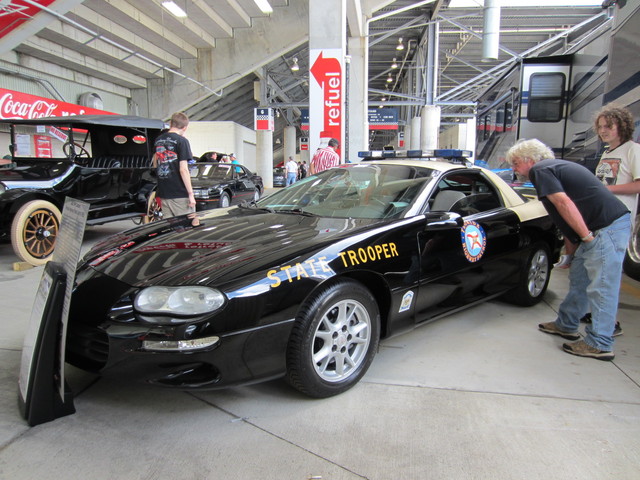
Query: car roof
[(130, 121)]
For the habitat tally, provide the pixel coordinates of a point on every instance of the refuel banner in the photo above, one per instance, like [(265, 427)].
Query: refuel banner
[(14, 105), (326, 96)]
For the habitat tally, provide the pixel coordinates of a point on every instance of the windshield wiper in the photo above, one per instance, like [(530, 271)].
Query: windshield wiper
[(254, 206), (297, 211)]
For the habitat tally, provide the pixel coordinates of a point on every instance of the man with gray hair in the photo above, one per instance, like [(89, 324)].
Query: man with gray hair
[(595, 225)]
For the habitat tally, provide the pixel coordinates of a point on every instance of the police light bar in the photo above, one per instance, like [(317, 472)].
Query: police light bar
[(448, 153)]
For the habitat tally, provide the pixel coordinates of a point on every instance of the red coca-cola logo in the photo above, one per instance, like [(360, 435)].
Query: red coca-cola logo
[(14, 105), (12, 108)]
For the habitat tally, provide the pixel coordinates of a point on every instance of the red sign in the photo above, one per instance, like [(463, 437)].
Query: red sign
[(22, 105), (15, 12), (42, 145), (328, 73)]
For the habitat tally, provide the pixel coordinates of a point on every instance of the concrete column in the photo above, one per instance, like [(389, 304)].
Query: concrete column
[(407, 137), (415, 133), (357, 120), (471, 137), (491, 31), (430, 127), (327, 49), (264, 154), (289, 143)]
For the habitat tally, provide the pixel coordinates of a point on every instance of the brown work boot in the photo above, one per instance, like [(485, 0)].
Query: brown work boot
[(581, 349), (552, 328)]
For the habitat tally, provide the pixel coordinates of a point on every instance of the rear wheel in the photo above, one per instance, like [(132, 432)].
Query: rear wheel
[(334, 340), (34, 231), (534, 280), (225, 200)]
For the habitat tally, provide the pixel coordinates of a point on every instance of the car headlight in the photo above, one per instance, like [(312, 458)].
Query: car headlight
[(201, 194), (3, 188), (190, 300)]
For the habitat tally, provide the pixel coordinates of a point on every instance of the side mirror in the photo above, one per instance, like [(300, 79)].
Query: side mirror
[(443, 221)]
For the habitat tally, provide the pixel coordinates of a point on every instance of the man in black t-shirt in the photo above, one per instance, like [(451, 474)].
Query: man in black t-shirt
[(595, 225), (171, 158)]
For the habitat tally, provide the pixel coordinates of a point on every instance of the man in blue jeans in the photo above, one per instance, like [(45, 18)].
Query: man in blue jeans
[(596, 226), (292, 171)]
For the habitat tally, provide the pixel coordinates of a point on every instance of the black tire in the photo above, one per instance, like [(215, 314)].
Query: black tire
[(631, 265), (534, 280), (225, 200), (334, 340), (34, 231)]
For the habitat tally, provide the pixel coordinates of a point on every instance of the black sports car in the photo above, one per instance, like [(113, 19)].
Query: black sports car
[(223, 184), (305, 282)]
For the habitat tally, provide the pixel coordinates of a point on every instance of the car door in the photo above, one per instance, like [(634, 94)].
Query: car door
[(468, 244), (243, 185)]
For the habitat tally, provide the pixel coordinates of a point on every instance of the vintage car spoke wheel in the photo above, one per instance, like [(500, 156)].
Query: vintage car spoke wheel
[(225, 201), (334, 340), (34, 231), (632, 257), (534, 280), (154, 211)]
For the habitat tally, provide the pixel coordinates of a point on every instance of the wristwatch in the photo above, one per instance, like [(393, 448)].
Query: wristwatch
[(588, 236)]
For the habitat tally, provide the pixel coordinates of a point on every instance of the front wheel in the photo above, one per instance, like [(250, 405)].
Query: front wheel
[(34, 231), (334, 340), (154, 210), (534, 279), (631, 264)]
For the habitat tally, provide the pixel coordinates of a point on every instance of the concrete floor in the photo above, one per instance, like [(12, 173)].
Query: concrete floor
[(479, 395)]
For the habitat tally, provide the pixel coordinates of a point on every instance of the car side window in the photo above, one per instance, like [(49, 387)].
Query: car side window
[(464, 193)]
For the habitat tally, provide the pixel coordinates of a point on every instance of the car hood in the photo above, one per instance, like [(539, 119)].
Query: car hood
[(218, 246)]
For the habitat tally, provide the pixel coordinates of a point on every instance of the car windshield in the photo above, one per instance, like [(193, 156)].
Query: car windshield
[(212, 171), (354, 191)]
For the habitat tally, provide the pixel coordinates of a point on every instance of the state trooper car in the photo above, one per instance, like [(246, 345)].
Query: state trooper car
[(304, 283)]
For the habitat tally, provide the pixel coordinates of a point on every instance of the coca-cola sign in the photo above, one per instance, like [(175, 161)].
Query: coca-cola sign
[(15, 105)]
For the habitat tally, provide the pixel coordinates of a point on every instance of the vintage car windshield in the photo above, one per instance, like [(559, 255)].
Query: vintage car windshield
[(358, 191), (49, 141)]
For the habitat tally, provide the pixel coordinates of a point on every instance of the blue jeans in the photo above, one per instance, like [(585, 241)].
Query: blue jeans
[(291, 178), (594, 284)]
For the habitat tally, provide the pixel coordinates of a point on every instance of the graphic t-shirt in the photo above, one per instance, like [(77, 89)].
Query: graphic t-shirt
[(619, 166), (171, 148)]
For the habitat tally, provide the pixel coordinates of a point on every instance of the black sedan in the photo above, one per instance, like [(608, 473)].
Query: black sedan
[(223, 184), (306, 282)]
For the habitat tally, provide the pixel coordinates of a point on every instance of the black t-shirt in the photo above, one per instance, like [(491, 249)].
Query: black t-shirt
[(171, 148), (597, 205)]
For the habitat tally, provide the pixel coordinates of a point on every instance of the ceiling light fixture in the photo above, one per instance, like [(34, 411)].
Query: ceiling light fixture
[(394, 64), (264, 6), (295, 67), (389, 79), (400, 45), (174, 9)]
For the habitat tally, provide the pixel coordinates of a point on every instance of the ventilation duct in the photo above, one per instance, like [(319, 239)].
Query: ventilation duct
[(491, 31)]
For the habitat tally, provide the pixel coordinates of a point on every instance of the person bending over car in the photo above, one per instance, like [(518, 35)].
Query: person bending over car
[(597, 238), (171, 158)]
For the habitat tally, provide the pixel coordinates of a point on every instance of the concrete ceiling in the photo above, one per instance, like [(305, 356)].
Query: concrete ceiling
[(128, 43)]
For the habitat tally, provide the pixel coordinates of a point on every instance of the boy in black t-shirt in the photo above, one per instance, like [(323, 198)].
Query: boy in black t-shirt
[(172, 154)]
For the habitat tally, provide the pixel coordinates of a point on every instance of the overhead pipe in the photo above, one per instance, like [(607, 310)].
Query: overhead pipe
[(491, 30)]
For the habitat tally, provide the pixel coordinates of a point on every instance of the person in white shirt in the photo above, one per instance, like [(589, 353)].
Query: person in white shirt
[(292, 171)]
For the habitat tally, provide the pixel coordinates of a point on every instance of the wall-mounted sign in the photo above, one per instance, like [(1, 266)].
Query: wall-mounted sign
[(263, 119), (23, 105), (326, 95), (383, 119), (304, 143)]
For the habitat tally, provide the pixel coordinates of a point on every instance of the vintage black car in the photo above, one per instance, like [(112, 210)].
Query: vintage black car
[(223, 184), (305, 282), (103, 160)]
